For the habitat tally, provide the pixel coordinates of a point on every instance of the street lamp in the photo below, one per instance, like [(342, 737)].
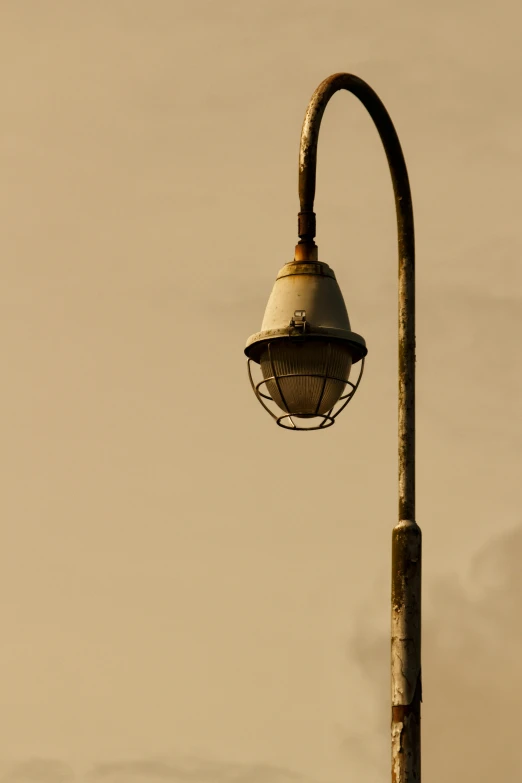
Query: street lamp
[(305, 352)]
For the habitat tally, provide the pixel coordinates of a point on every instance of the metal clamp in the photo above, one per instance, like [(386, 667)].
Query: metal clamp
[(298, 321)]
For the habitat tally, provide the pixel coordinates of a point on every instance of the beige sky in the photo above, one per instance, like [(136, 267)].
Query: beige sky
[(187, 592)]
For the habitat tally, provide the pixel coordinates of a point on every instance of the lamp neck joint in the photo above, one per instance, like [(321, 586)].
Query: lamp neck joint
[(306, 249)]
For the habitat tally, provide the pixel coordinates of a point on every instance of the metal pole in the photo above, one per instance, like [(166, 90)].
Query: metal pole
[(406, 539)]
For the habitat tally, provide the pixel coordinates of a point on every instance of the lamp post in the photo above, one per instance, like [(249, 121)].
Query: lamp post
[(306, 350)]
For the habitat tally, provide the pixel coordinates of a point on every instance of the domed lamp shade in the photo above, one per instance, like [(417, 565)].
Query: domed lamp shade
[(305, 353)]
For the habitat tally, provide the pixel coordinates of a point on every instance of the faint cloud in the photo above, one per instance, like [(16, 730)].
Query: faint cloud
[(190, 769), (39, 770), (182, 769)]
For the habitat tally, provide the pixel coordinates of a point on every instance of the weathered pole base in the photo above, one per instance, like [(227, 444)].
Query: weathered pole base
[(406, 652), (406, 743)]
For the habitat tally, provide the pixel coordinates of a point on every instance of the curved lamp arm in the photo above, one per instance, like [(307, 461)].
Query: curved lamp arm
[(406, 549), (403, 204)]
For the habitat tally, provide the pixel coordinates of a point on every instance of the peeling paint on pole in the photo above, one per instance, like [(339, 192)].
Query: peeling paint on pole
[(406, 652), (406, 611)]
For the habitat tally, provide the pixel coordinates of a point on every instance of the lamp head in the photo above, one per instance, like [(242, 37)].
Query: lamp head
[(305, 348)]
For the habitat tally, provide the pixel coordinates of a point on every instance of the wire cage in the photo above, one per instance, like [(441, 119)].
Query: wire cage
[(306, 380)]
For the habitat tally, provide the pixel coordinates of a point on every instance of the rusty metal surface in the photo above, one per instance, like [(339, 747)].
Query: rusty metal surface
[(306, 268), (406, 611), (406, 682), (405, 229), (406, 568), (406, 742)]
